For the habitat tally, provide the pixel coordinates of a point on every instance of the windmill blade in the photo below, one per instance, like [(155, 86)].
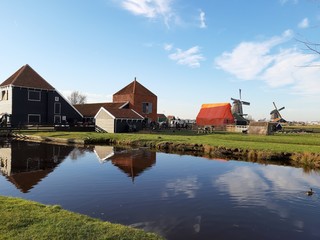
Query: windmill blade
[(275, 106), (245, 103), (233, 99), (281, 109), (240, 93)]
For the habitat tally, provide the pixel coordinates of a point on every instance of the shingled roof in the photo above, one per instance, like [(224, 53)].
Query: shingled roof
[(134, 87), (27, 77), (91, 109)]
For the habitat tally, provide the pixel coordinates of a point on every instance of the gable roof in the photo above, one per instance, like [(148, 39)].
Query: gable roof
[(134, 87), (91, 109), (27, 77), (124, 113), (215, 114)]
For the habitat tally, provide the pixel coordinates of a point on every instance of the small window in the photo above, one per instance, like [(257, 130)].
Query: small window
[(57, 119), (56, 99), (147, 108), (34, 118), (57, 108), (4, 95), (34, 95)]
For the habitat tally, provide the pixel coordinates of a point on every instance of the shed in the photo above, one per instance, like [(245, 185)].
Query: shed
[(216, 114), (115, 120)]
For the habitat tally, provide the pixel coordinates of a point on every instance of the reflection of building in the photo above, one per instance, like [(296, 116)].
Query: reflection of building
[(131, 162), (25, 164)]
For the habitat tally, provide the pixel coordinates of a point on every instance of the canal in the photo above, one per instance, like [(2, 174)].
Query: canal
[(176, 196)]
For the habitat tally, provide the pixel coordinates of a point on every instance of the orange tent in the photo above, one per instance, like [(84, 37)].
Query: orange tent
[(216, 114)]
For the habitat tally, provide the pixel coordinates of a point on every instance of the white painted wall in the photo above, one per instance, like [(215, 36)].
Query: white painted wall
[(105, 121), (6, 105)]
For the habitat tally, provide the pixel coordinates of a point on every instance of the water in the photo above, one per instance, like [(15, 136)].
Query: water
[(179, 197)]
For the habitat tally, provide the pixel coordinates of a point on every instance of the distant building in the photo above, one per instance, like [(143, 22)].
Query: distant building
[(30, 99)]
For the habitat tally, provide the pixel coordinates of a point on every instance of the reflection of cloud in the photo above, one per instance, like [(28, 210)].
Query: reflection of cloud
[(187, 186), (260, 185)]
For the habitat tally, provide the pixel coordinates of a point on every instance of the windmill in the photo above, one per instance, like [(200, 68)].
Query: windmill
[(237, 110), (275, 114)]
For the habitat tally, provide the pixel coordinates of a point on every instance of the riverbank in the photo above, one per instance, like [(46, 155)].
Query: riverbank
[(297, 149), (23, 219)]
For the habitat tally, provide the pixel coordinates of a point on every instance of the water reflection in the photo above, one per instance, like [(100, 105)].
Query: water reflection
[(25, 164), (178, 196)]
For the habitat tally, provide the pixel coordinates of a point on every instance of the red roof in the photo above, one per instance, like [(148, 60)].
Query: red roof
[(91, 109), (27, 77), (116, 109), (215, 115), (134, 87)]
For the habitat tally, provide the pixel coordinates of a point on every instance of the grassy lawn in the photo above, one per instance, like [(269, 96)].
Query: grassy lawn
[(22, 219), (295, 142)]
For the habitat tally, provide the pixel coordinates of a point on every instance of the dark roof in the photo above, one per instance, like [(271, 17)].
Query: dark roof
[(124, 113), (27, 77), (91, 109), (134, 87)]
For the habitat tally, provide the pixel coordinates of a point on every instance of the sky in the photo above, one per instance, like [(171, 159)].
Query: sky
[(187, 52)]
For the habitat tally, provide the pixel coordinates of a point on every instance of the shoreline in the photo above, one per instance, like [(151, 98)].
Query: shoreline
[(306, 160)]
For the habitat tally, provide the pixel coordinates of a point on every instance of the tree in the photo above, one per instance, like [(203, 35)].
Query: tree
[(77, 98)]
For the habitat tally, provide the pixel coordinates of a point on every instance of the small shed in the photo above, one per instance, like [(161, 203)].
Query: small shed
[(215, 114), (113, 120)]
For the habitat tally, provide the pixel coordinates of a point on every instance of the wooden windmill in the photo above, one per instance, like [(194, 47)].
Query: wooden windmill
[(275, 115), (237, 110)]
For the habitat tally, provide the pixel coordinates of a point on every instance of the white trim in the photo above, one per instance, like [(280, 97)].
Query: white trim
[(103, 109), (60, 95), (39, 115), (137, 113), (125, 104), (35, 91)]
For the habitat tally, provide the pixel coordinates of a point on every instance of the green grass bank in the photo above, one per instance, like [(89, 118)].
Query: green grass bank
[(299, 149), (22, 219)]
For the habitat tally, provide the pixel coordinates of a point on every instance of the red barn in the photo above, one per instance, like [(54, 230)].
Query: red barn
[(217, 114)]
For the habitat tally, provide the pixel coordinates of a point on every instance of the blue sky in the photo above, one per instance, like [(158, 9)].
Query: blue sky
[(186, 52)]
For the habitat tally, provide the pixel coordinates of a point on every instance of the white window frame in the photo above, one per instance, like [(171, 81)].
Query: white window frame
[(34, 91), (56, 99), (54, 119), (54, 110), (34, 115)]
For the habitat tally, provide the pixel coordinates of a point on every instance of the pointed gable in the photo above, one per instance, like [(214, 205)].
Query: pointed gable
[(134, 88), (27, 77)]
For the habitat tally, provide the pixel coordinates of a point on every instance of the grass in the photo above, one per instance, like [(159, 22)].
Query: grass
[(291, 143), (22, 219)]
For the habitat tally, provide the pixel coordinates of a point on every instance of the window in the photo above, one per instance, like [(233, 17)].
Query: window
[(4, 95), (57, 119), (56, 99), (34, 118), (34, 95), (147, 107), (57, 108)]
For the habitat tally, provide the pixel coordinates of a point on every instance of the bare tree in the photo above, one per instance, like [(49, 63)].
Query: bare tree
[(311, 46), (77, 98)]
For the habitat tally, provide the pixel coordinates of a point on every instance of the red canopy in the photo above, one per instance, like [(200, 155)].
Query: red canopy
[(216, 114)]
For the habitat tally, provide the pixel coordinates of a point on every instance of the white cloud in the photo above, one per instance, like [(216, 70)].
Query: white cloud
[(277, 68), (304, 23), (168, 47), (150, 8), (190, 57), (202, 19)]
